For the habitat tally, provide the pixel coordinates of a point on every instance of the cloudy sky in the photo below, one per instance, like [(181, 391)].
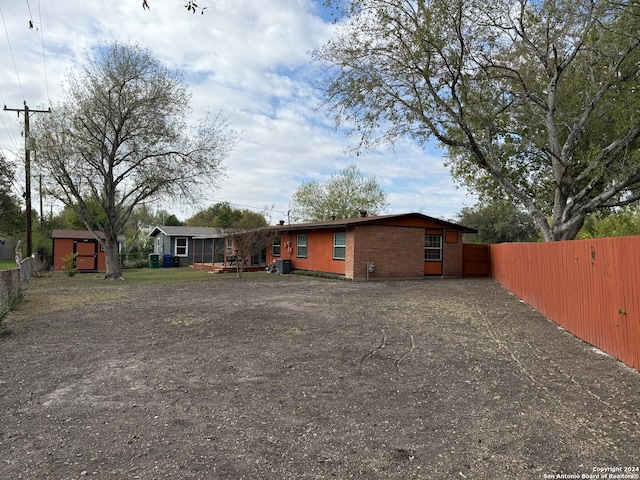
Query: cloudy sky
[(248, 58)]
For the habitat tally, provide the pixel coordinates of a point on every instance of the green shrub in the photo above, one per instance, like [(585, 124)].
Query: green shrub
[(135, 263), (69, 264)]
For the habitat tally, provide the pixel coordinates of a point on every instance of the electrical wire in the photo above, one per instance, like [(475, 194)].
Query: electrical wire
[(16, 170), (44, 58), (30, 16), (4, 23), (11, 134), (250, 207)]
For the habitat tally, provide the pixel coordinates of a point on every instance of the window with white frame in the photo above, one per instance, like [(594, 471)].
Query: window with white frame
[(301, 245), (181, 247), (339, 245), (275, 247), (433, 248), (229, 246)]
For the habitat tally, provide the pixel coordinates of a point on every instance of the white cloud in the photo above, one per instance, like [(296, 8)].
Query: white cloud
[(243, 57)]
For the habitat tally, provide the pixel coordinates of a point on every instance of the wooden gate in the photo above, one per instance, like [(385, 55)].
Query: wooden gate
[(475, 260)]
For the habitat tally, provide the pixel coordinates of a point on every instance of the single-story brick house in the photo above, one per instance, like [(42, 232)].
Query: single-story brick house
[(410, 245), (189, 244), (90, 254)]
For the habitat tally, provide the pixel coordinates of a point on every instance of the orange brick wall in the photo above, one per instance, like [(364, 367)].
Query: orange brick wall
[(349, 261), (397, 252), (452, 256)]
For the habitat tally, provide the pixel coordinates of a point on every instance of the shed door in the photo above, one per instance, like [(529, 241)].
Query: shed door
[(87, 254)]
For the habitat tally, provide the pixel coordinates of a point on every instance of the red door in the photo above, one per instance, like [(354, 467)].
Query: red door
[(87, 255)]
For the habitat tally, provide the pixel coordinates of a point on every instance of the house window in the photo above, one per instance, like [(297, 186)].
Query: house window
[(275, 247), (158, 245), (259, 258), (182, 247), (339, 245), (433, 248), (229, 246), (301, 245)]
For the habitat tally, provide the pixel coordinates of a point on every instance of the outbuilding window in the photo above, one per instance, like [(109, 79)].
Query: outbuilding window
[(181, 247), (339, 245), (301, 245), (433, 248)]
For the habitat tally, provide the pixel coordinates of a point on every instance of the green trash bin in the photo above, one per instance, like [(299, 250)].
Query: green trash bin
[(154, 260)]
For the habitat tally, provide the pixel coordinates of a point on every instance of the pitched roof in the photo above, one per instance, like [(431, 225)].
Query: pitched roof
[(80, 234), (188, 231), (348, 222)]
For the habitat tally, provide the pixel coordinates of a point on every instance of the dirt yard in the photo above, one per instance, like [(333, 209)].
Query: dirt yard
[(289, 377)]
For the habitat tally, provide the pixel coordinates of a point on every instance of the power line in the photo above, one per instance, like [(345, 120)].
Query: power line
[(30, 16), (44, 59), (256, 208), (9, 131), (14, 181), (13, 58), (27, 166), (259, 209)]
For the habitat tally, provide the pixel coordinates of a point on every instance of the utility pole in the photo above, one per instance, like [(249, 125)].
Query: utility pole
[(28, 146), (41, 212)]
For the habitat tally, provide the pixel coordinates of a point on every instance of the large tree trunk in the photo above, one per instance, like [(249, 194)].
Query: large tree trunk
[(112, 257)]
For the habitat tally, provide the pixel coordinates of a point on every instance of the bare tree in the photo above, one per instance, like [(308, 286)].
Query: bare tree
[(250, 236), (121, 139), (249, 242)]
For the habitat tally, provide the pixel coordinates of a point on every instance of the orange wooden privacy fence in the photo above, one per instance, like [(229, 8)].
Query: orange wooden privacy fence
[(589, 287)]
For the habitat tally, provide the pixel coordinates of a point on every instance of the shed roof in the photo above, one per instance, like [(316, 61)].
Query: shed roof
[(208, 232), (375, 219), (80, 234)]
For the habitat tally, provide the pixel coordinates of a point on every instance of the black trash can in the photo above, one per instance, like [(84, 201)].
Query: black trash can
[(283, 266), (176, 262), (167, 260)]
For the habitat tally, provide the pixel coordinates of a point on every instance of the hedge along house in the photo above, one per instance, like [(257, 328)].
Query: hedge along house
[(399, 246), (90, 256), (189, 245)]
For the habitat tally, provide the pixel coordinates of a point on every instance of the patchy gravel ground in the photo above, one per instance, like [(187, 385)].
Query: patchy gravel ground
[(291, 377)]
